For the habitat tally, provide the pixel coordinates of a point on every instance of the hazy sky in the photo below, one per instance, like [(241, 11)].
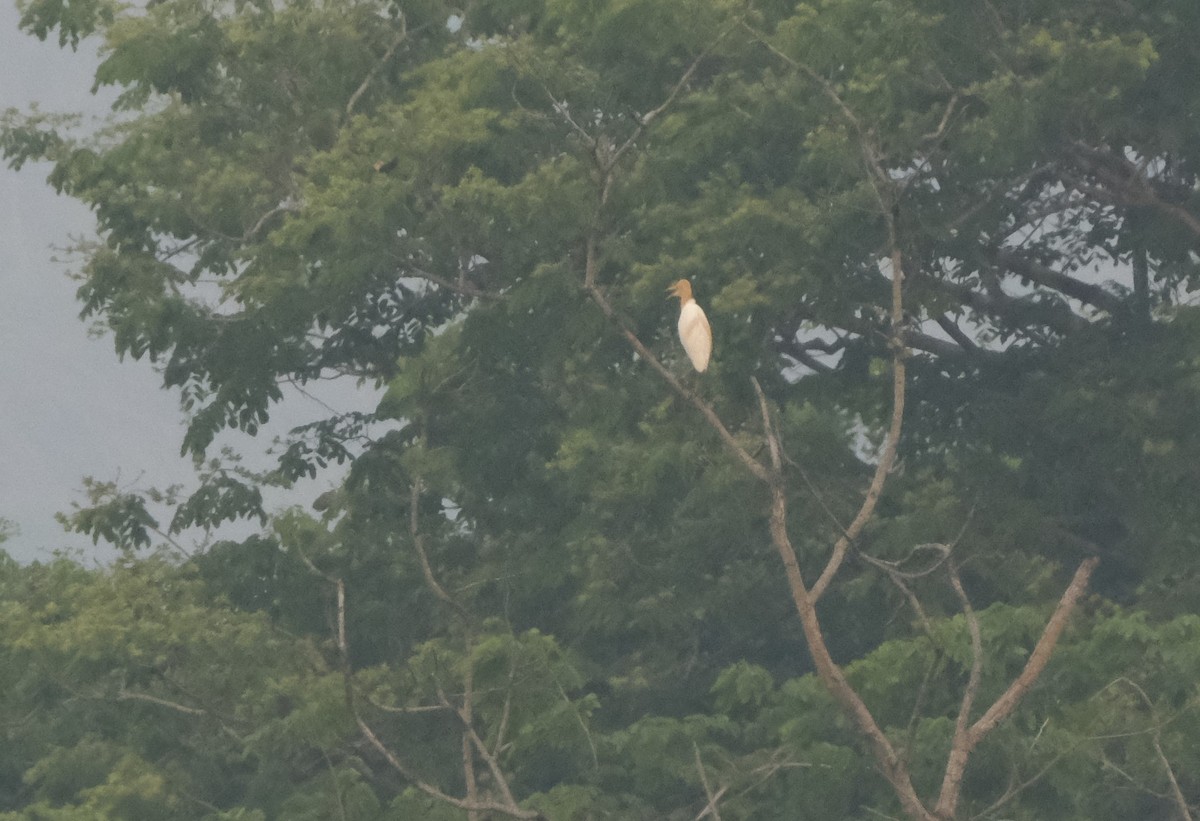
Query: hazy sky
[(68, 407)]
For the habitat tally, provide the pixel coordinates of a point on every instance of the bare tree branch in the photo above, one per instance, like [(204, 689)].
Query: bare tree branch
[(1177, 797), (126, 695), (1014, 311), (1040, 274), (914, 716), (468, 763), (488, 757), (400, 37), (467, 714), (418, 542), (284, 207), (653, 114), (339, 629), (1181, 804), (956, 763), (866, 143), (386, 708), (894, 769), (462, 288), (937, 135), (774, 447), (893, 766), (604, 154), (1038, 659), (506, 710), (710, 808), (900, 579), (947, 324), (1126, 184), (887, 458), (1015, 789)]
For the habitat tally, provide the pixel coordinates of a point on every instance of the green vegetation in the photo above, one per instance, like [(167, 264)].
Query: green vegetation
[(914, 546)]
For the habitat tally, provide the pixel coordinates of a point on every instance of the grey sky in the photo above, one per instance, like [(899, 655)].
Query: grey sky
[(68, 407)]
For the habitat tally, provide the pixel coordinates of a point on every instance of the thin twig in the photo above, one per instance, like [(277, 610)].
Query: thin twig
[(126, 695), (418, 542), (653, 114), (910, 734), (816, 494), (337, 786), (1016, 789), (866, 142), (563, 110), (468, 762), (460, 288), (505, 711), (1181, 804), (386, 708), (893, 567), (941, 129)]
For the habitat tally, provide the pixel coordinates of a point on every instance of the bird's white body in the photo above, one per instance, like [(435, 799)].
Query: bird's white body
[(695, 334)]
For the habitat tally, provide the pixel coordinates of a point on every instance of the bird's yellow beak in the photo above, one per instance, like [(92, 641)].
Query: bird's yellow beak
[(680, 288)]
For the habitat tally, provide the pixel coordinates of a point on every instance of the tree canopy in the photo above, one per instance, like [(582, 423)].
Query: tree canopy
[(921, 542)]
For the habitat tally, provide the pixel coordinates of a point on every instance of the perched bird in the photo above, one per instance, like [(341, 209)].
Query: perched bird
[(694, 332)]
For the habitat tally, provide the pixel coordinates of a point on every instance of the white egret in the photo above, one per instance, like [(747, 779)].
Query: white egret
[(694, 332)]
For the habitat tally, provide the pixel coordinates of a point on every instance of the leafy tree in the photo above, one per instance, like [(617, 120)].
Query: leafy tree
[(948, 252)]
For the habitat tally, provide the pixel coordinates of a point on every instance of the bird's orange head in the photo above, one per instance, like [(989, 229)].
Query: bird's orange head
[(680, 288)]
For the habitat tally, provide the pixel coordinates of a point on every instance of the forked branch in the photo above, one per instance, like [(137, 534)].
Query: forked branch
[(966, 740)]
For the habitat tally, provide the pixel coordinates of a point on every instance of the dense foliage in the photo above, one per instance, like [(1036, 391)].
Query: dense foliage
[(551, 583)]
